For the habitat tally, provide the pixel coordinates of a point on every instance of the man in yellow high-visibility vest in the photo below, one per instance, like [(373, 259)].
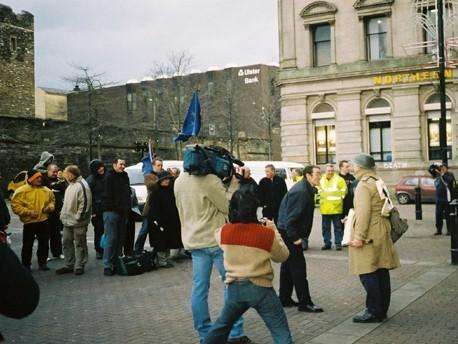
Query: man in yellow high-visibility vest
[(332, 191)]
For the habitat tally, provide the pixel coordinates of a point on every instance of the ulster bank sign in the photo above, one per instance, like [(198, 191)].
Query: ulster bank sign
[(250, 76)]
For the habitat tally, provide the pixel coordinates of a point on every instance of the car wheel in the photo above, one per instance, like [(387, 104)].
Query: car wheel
[(403, 198)]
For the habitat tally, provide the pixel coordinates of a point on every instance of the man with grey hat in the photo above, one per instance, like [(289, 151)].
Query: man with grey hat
[(371, 251)]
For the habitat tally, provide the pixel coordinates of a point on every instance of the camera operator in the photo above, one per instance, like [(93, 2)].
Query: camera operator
[(203, 206)]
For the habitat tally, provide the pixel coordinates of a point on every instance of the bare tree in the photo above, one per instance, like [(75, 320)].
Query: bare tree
[(92, 83), (177, 64)]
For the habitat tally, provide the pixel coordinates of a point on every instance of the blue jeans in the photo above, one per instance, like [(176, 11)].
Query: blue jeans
[(338, 229), (202, 264), (141, 238), (115, 231), (242, 295)]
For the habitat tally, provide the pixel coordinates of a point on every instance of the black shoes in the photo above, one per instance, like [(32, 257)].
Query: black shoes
[(289, 303), (108, 272), (44, 268), (367, 317), (241, 340), (79, 271), (438, 233), (338, 248), (64, 270), (325, 248), (310, 308)]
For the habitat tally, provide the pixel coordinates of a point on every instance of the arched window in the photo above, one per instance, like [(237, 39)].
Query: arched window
[(432, 110), (378, 106), (325, 133), (433, 102), (378, 112)]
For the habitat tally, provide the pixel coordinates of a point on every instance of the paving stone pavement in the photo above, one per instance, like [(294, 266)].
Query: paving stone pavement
[(154, 307)]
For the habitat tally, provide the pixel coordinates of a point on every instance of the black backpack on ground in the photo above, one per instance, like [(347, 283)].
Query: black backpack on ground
[(136, 265)]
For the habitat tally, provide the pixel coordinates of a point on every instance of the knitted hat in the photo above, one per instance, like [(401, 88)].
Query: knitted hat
[(365, 161), (163, 175), (32, 175)]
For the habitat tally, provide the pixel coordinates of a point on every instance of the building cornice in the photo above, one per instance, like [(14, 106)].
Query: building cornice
[(364, 4), (318, 12), (356, 69)]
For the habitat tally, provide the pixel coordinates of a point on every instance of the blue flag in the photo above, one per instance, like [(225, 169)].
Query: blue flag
[(191, 125), (147, 161)]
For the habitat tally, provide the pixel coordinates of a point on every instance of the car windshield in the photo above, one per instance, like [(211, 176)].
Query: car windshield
[(135, 177)]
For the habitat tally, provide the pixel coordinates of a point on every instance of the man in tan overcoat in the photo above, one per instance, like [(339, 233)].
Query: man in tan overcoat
[(372, 253)]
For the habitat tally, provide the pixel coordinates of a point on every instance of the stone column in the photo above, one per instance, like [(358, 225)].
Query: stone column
[(406, 127), (286, 23), (349, 133), (294, 132)]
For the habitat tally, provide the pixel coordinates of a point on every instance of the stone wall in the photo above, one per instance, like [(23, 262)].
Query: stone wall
[(16, 63)]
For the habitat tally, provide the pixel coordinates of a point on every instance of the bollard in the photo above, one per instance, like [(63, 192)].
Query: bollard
[(454, 231), (418, 209)]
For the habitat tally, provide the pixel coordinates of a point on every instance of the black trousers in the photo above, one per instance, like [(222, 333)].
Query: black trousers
[(128, 247), (39, 230), (293, 274), (55, 234), (97, 223), (442, 212), (378, 288)]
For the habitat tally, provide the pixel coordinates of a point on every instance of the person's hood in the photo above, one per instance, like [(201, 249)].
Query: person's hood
[(94, 166), (45, 159)]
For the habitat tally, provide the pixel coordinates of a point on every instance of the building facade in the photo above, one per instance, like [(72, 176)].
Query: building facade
[(240, 110), (17, 82), (352, 81)]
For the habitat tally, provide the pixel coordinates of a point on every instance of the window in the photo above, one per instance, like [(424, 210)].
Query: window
[(433, 137), (325, 143), (426, 181), (376, 38), (13, 44), (131, 101), (321, 45), (380, 141), (411, 182)]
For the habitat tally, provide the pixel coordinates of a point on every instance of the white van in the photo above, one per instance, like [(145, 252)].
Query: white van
[(257, 168)]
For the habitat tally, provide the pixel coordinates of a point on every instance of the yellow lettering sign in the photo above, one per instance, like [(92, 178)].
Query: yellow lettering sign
[(405, 78)]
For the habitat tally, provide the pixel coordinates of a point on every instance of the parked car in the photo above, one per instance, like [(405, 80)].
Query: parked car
[(405, 189)]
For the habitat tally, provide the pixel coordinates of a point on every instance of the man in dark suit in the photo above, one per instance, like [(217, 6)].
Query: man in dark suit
[(272, 189), (295, 222)]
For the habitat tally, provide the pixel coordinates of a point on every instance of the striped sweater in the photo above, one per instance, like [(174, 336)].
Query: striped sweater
[(248, 249)]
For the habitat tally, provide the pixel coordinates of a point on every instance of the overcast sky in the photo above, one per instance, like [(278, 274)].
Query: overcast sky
[(124, 37)]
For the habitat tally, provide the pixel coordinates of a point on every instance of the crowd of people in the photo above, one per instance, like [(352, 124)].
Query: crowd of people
[(216, 223)]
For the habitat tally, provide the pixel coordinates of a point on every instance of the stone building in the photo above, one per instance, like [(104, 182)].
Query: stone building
[(240, 111), (51, 103), (352, 81), (17, 83)]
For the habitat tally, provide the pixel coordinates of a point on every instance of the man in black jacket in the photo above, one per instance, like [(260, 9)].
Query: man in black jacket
[(96, 182), (58, 187), (295, 222), (5, 217), (344, 172), (272, 188), (116, 206)]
